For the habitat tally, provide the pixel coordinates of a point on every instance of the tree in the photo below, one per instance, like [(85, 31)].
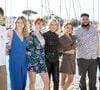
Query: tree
[(47, 18), (75, 22)]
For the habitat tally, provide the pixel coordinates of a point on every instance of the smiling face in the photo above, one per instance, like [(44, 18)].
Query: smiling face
[(39, 22), (68, 28), (85, 21), (53, 26), (20, 24), (39, 25)]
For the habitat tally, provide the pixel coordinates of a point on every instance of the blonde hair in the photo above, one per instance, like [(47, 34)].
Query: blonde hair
[(51, 21), (25, 29)]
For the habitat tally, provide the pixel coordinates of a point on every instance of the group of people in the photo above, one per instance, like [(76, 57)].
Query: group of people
[(36, 52)]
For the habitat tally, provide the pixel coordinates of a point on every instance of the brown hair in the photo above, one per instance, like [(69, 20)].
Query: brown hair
[(38, 20), (1, 11), (25, 29), (68, 24)]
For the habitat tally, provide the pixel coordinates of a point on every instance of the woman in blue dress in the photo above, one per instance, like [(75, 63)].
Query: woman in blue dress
[(36, 56), (17, 57)]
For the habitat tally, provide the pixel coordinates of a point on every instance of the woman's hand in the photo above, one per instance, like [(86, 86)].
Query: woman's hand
[(70, 51)]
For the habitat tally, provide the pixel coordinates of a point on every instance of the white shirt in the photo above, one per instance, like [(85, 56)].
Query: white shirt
[(3, 39), (87, 43)]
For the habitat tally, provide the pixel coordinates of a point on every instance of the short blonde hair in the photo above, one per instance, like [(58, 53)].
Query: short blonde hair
[(51, 21)]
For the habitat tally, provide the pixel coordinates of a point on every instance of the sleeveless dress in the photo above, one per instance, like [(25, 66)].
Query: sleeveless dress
[(35, 55), (18, 63)]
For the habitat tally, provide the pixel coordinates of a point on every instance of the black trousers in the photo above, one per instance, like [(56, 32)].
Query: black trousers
[(90, 67), (53, 69)]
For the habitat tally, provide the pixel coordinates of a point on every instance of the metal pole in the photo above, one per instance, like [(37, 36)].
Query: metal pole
[(41, 8), (60, 9)]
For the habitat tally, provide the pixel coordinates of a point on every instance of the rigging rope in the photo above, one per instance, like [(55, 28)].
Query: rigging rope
[(66, 10), (74, 9)]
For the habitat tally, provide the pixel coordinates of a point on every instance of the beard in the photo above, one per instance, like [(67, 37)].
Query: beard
[(85, 25)]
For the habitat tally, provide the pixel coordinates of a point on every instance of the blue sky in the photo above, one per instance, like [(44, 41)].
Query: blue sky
[(15, 7)]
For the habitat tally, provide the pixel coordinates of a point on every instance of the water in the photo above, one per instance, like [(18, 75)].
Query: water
[(39, 83)]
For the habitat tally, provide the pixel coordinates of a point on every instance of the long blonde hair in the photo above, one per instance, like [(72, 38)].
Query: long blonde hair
[(25, 29)]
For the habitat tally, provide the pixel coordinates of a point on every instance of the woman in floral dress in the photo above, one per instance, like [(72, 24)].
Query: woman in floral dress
[(36, 56)]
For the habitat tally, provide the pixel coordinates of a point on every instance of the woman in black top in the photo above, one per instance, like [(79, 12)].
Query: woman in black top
[(51, 50)]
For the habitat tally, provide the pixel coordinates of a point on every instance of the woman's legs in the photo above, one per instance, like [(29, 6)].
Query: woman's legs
[(68, 82), (63, 79), (3, 78), (45, 79), (32, 77)]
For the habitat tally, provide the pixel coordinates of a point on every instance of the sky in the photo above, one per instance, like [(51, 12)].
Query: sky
[(66, 9)]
